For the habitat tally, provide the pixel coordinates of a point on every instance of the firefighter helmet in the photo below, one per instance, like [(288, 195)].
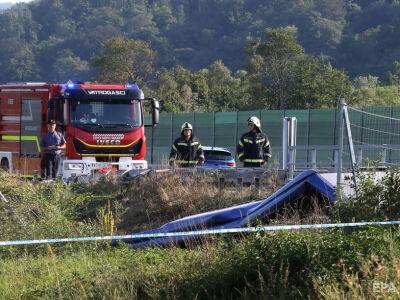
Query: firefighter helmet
[(186, 125), (255, 121)]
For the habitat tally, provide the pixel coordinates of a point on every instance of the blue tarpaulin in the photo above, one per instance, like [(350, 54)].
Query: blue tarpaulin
[(306, 183)]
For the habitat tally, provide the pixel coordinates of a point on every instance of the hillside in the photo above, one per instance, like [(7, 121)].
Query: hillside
[(53, 40)]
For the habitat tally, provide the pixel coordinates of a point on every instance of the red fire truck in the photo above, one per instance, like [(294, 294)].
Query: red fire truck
[(102, 124)]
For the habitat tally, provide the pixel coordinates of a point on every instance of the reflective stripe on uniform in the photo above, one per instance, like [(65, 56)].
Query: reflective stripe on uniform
[(260, 141), (268, 154), (186, 161), (173, 147), (253, 160), (248, 141), (195, 143), (240, 155), (182, 144), (202, 156), (240, 143)]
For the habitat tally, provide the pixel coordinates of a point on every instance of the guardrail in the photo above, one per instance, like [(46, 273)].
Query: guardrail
[(384, 153)]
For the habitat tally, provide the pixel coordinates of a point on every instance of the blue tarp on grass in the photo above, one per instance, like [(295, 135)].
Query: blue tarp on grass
[(306, 183)]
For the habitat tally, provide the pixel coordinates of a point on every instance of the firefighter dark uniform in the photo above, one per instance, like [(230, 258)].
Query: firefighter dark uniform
[(254, 148), (186, 152)]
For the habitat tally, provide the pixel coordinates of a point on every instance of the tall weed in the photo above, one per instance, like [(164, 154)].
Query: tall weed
[(375, 200)]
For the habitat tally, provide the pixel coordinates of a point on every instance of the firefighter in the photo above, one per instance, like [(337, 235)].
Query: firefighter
[(254, 149), (52, 143), (186, 151)]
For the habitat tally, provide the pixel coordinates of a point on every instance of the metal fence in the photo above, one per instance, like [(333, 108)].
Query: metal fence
[(316, 129)]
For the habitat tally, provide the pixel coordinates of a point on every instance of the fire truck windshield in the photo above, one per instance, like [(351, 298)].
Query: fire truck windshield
[(106, 113)]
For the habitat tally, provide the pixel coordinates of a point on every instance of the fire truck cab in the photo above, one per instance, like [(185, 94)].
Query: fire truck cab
[(103, 126)]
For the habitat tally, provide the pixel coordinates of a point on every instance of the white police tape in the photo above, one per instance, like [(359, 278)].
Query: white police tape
[(196, 233)]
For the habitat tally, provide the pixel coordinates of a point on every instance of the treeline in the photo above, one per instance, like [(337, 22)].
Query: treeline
[(207, 54), (278, 75)]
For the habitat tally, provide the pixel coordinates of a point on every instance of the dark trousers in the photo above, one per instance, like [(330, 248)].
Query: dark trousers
[(51, 162)]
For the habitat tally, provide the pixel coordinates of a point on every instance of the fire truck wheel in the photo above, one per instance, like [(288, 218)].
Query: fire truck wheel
[(4, 165)]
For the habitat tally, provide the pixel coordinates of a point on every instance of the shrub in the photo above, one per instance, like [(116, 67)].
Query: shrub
[(375, 200)]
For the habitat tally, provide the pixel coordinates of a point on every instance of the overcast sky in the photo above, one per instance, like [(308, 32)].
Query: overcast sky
[(13, 1)]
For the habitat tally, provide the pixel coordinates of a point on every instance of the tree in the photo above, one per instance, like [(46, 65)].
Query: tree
[(271, 65), (393, 76), (125, 60), (173, 88), (139, 23), (226, 92), (69, 66), (318, 85), (167, 91), (281, 75), (209, 89), (18, 61)]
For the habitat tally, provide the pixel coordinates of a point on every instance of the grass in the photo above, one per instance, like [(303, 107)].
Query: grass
[(160, 198), (356, 263), (280, 265)]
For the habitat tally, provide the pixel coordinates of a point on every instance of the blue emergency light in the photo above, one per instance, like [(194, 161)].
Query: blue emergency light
[(70, 84)]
